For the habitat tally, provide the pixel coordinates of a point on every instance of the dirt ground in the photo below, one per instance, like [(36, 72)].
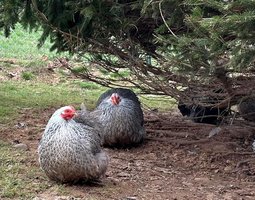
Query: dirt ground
[(177, 160)]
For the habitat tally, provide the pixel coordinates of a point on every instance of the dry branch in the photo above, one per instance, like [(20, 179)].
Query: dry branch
[(179, 141), (169, 133)]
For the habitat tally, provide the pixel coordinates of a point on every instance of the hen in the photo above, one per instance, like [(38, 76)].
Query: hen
[(247, 108), (210, 114), (122, 118), (70, 149), (201, 114)]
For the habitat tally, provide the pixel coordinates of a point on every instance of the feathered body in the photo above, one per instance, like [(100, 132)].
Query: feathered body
[(204, 114), (121, 116), (247, 108), (201, 114), (70, 149)]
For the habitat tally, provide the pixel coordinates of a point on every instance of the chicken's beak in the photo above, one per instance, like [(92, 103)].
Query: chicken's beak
[(115, 99)]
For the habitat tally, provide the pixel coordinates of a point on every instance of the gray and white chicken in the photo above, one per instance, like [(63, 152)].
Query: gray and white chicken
[(70, 149), (122, 118)]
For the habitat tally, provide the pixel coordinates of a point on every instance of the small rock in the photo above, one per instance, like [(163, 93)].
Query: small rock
[(67, 198), (123, 174), (202, 179), (154, 110), (253, 146), (37, 198), (228, 168), (192, 152), (12, 75), (20, 125), (214, 131), (16, 141), (130, 198), (21, 146)]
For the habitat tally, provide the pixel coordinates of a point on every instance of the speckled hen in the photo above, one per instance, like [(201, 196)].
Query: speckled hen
[(70, 149), (121, 116)]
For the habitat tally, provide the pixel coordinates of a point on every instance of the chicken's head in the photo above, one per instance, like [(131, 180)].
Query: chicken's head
[(115, 99), (68, 113)]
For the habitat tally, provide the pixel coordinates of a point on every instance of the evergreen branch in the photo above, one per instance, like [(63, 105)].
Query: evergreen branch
[(163, 18)]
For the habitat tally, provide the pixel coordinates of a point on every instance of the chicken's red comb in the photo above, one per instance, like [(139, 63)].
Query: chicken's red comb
[(71, 107)]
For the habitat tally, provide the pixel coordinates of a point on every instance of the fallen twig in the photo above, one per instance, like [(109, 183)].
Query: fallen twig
[(168, 132), (179, 141), (151, 120), (237, 153), (242, 162)]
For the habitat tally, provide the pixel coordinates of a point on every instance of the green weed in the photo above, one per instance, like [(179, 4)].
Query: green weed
[(89, 85), (27, 75), (161, 103), (120, 74)]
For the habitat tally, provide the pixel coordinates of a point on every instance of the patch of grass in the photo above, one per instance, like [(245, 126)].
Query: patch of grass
[(162, 103), (19, 95), (62, 189), (123, 73), (103, 71), (22, 45), (15, 180), (89, 85), (27, 75), (79, 69), (32, 63)]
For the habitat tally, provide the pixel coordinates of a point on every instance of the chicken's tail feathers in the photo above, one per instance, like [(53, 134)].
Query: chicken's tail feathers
[(83, 107)]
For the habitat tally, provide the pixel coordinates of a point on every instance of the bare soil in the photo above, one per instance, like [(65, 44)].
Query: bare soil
[(177, 160)]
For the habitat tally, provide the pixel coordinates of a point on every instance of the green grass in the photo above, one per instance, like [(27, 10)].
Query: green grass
[(23, 45), (88, 85), (19, 95), (27, 75), (162, 103), (16, 178)]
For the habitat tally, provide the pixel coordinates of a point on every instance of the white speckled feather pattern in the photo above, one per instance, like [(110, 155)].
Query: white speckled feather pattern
[(70, 151), (122, 123)]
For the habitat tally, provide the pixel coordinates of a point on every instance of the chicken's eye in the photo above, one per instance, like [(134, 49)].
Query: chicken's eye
[(68, 111)]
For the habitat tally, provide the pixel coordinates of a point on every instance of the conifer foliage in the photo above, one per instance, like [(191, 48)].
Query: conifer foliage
[(161, 46)]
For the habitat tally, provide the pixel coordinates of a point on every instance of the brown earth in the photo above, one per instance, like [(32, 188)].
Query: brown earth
[(177, 161)]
